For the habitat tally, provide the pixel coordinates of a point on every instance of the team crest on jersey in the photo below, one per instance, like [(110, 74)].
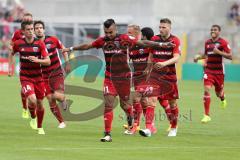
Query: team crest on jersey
[(141, 51), (217, 44), (117, 44), (35, 49), (48, 46)]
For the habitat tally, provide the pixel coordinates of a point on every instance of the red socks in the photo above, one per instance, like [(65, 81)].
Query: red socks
[(24, 101), (137, 113), (149, 116), (206, 101), (174, 117), (108, 117), (56, 112), (32, 110), (40, 115)]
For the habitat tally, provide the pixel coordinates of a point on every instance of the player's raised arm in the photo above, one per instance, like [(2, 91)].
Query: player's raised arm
[(84, 46), (148, 43)]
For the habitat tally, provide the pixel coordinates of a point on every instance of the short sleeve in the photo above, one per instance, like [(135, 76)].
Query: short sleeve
[(177, 47), (130, 39), (14, 48), (98, 43), (58, 43), (44, 52), (226, 47)]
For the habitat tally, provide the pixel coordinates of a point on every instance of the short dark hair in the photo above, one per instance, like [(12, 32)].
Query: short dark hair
[(217, 26), (39, 22), (108, 23), (148, 32), (165, 20), (24, 23)]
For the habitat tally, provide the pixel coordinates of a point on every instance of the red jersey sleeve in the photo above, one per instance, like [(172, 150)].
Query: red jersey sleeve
[(226, 47), (16, 35), (130, 39), (58, 43), (15, 48), (177, 48), (43, 49), (154, 38), (98, 43)]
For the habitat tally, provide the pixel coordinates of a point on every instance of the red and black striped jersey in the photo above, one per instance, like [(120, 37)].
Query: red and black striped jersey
[(30, 71), (139, 56), (161, 54), (53, 44), (214, 62), (116, 54), (17, 35)]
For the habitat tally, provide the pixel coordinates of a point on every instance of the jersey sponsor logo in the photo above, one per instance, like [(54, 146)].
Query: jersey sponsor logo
[(113, 51), (140, 60), (163, 53), (211, 52)]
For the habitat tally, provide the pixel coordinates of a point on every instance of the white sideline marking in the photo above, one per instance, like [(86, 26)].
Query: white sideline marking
[(125, 148)]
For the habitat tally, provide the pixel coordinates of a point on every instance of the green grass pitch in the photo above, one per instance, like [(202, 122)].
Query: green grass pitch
[(218, 140)]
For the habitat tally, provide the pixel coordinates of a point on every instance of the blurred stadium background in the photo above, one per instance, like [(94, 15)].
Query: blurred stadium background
[(76, 21)]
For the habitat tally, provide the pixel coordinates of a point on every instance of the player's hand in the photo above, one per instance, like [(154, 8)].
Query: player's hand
[(216, 50), (65, 50), (67, 67), (159, 65), (167, 45), (33, 59), (195, 59)]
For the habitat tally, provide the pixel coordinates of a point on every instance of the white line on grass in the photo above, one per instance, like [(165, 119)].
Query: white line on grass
[(125, 148)]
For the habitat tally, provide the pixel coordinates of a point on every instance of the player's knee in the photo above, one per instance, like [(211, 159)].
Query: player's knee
[(207, 89), (152, 101), (109, 100), (59, 96), (49, 97), (39, 104), (32, 100), (136, 99), (144, 102), (172, 103)]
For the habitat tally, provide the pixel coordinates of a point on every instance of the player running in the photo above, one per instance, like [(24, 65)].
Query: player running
[(32, 54), (53, 75), (216, 48), (18, 34)]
